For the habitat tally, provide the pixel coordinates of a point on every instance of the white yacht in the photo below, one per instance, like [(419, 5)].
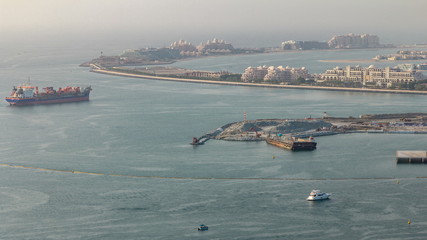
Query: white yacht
[(317, 195)]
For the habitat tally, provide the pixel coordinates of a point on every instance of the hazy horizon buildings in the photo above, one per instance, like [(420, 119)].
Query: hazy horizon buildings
[(347, 41), (120, 24), (183, 47), (215, 46), (354, 41), (303, 45)]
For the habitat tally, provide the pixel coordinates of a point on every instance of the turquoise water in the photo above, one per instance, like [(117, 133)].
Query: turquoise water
[(157, 186)]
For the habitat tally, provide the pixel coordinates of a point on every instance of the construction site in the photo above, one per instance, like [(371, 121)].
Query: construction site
[(260, 129)]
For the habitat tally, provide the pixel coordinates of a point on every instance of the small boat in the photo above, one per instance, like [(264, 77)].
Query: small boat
[(316, 195), (202, 227)]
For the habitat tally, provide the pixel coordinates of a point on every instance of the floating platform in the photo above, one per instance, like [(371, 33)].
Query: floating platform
[(411, 156), (293, 143)]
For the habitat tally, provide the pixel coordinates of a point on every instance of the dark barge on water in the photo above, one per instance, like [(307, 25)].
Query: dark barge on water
[(292, 143)]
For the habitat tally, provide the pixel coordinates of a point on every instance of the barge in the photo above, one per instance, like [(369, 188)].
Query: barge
[(292, 143)]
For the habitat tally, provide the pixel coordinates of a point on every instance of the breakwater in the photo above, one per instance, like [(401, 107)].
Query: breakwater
[(164, 78)]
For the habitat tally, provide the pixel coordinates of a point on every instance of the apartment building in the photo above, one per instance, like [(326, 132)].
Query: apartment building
[(383, 77), (274, 74)]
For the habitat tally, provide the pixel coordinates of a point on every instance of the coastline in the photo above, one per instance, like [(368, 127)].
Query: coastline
[(117, 73), (348, 61)]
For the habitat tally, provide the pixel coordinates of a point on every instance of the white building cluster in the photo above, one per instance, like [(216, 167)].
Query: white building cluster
[(354, 41), (274, 74), (185, 48), (403, 55), (290, 45), (383, 77), (215, 46), (303, 45)]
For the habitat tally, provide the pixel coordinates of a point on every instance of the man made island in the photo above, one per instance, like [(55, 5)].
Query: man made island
[(259, 130), (226, 78), (298, 134), (399, 79)]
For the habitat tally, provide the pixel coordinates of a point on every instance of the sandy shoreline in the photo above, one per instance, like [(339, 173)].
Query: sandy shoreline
[(116, 73), (349, 61)]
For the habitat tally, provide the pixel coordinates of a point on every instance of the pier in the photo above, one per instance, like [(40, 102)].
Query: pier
[(411, 157), (201, 140)]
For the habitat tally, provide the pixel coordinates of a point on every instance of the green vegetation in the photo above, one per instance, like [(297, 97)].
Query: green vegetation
[(336, 83), (299, 81), (226, 77), (231, 77), (419, 86), (130, 71), (154, 54)]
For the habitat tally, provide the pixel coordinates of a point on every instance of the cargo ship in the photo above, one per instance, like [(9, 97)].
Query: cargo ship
[(27, 94), (292, 143)]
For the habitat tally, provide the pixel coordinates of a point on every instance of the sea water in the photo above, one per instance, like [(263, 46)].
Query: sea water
[(121, 167)]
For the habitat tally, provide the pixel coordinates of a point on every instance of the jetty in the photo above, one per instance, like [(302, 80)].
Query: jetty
[(411, 157), (200, 140)]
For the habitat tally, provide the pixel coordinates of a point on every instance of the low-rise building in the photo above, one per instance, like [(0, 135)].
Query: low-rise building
[(254, 74), (403, 55), (274, 74), (204, 74), (110, 60), (383, 77), (290, 45), (185, 48), (182, 45)]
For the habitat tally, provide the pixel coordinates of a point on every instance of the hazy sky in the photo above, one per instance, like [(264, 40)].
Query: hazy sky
[(241, 22)]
